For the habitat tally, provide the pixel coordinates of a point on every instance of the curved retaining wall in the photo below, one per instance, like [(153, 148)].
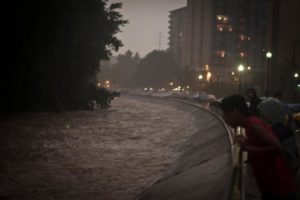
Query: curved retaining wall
[(203, 168)]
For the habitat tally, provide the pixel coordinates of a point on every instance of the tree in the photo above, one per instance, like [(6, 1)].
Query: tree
[(122, 72), (156, 70), (58, 46)]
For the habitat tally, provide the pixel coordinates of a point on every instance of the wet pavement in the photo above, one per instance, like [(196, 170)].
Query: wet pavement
[(91, 155)]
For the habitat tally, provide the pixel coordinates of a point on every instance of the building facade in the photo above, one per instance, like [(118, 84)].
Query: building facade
[(219, 35), (283, 40), (177, 24)]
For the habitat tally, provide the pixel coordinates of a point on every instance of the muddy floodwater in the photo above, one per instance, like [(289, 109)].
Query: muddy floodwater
[(90, 155)]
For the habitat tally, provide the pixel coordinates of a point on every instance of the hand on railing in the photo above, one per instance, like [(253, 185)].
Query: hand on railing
[(236, 188)]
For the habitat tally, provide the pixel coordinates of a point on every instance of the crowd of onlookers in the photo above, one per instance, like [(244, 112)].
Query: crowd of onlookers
[(269, 140)]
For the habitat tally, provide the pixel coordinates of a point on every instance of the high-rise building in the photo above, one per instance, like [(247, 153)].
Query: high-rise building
[(283, 40), (177, 23), (221, 34)]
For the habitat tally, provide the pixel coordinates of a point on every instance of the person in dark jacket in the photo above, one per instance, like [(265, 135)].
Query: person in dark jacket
[(254, 102)]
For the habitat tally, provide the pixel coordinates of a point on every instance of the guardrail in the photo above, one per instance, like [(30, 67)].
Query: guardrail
[(236, 190), (236, 186)]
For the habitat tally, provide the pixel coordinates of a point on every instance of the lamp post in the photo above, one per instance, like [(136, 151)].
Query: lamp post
[(218, 84), (296, 76), (268, 56), (240, 69), (200, 77)]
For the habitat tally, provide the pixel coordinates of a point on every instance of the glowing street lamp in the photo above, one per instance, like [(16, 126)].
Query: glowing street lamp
[(240, 69), (268, 56), (200, 77), (296, 75)]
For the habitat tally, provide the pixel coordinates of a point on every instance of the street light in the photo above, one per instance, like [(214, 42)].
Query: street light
[(268, 56), (200, 77), (218, 84), (240, 69), (296, 75)]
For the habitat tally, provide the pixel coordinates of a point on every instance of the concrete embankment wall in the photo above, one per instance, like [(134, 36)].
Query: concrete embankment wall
[(204, 165)]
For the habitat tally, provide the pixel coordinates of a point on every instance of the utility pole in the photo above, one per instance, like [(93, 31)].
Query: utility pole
[(159, 40)]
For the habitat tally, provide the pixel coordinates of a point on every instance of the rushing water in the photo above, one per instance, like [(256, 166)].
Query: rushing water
[(109, 155)]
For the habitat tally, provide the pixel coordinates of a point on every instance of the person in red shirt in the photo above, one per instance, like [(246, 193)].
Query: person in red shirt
[(265, 155)]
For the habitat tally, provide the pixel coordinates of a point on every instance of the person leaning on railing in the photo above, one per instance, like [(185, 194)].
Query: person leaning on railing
[(265, 154)]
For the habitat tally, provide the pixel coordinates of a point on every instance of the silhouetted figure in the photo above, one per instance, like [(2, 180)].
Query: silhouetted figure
[(288, 111), (273, 112), (254, 102), (273, 176)]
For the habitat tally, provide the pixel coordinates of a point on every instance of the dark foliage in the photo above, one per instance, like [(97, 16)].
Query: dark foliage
[(123, 71), (157, 69), (53, 49), (104, 98)]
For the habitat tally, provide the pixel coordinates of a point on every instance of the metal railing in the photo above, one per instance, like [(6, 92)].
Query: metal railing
[(236, 190), (236, 185)]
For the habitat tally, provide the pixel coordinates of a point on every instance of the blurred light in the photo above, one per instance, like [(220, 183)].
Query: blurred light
[(145, 89), (151, 89), (99, 84), (296, 75), (187, 87), (171, 83), (268, 54), (206, 67), (107, 82), (298, 85), (208, 76), (108, 86), (200, 77), (241, 68), (232, 73), (162, 89), (249, 67)]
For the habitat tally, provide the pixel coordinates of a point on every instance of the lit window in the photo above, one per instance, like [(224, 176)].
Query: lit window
[(242, 54), (222, 18), (242, 37), (221, 53), (220, 27)]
